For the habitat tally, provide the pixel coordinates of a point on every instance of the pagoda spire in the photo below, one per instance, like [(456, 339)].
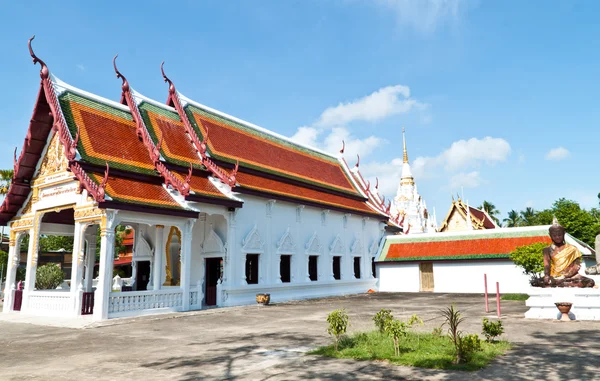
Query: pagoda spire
[(405, 156)]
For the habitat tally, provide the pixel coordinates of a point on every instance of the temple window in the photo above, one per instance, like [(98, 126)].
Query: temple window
[(357, 267), (373, 269), (312, 267), (285, 268), (337, 268), (252, 268)]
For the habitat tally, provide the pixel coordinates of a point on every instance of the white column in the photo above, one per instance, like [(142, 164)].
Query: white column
[(90, 261), (266, 261), (186, 261), (11, 271), (229, 264), (159, 253), (107, 255), (77, 267), (32, 258)]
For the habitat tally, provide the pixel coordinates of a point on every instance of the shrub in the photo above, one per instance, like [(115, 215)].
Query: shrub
[(469, 345), (338, 324), (453, 320), (437, 332), (21, 272), (492, 330), (381, 319), (48, 277), (396, 329), (530, 258)]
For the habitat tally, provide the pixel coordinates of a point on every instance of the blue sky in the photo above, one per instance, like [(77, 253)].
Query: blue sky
[(497, 97)]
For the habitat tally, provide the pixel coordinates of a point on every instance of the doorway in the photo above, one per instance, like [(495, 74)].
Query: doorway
[(142, 275), (213, 274), (426, 270)]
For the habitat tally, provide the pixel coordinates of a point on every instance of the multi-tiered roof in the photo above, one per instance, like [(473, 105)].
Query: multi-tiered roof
[(140, 154)]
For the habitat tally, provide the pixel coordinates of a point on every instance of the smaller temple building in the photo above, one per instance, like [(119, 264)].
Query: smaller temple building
[(462, 216), (457, 261)]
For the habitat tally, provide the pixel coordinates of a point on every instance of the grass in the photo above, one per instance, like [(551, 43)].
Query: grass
[(422, 350), (514, 297)]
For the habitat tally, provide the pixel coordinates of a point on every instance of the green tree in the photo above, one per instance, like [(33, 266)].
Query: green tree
[(529, 258), (528, 217), (577, 221), (491, 210), (6, 176), (513, 219), (338, 324), (542, 217), (48, 277), (3, 263)]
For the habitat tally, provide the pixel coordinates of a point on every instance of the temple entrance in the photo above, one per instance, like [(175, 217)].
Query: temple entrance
[(426, 270), (142, 275), (213, 274)]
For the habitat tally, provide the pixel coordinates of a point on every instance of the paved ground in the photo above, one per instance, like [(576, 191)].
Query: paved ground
[(267, 343)]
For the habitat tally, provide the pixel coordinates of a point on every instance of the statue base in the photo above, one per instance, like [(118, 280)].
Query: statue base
[(542, 303)]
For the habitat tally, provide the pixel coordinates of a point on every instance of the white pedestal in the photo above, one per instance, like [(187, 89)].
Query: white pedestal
[(586, 303)]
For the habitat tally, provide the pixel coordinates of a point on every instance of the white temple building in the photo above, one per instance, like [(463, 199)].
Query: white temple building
[(409, 207)]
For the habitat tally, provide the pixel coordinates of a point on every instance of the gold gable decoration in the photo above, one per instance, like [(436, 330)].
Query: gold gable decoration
[(54, 161)]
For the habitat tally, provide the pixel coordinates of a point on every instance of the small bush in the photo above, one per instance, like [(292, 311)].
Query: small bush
[(382, 318), (437, 332), (492, 330), (530, 258), (469, 345), (396, 329), (338, 324), (48, 277), (453, 320)]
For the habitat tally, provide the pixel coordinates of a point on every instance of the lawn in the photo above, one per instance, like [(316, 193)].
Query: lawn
[(423, 350), (514, 297)]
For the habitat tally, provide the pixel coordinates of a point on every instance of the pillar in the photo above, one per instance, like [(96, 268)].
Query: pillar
[(186, 262), (11, 270), (32, 258), (159, 253), (229, 261), (107, 255), (77, 267), (90, 257)]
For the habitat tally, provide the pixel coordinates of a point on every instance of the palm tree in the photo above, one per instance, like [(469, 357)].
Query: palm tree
[(491, 210), (6, 176), (528, 216), (513, 220)]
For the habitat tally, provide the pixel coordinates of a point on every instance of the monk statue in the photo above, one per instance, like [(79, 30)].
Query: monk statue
[(562, 263), (595, 270)]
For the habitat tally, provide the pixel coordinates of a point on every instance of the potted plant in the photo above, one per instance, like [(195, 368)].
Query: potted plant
[(263, 299)]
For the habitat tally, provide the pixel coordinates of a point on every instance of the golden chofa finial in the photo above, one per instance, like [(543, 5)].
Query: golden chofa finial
[(405, 156)]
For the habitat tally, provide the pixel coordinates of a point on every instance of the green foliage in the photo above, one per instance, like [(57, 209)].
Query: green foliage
[(437, 331), (492, 330), (491, 210), (21, 274), (338, 324), (3, 263), (381, 318), (397, 329), (513, 219), (6, 176), (469, 345), (56, 243), (48, 277), (530, 258), (522, 297), (453, 319), (423, 350), (577, 222)]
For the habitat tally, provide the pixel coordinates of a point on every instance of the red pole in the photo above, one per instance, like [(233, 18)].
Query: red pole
[(487, 308), (498, 298)]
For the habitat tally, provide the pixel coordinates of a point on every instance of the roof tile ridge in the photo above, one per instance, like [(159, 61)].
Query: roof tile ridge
[(183, 187), (201, 147), (64, 135)]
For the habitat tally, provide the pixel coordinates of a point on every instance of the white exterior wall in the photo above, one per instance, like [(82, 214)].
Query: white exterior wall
[(399, 277), (260, 226), (454, 277)]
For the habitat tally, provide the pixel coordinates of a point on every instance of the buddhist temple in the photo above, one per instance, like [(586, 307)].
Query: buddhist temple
[(408, 207), (220, 209), (462, 216)]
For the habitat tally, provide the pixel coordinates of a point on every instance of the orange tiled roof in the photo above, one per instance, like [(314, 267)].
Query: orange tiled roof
[(232, 141), (263, 184)]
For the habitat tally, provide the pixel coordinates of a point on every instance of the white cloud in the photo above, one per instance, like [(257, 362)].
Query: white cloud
[(388, 174), (80, 67), (332, 142), (558, 153), (425, 16), (466, 180), (381, 104)]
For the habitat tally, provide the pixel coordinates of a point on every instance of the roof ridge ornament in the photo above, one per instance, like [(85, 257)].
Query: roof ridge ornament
[(72, 153), (44, 71), (125, 85), (376, 183), (15, 164), (357, 160), (343, 147), (171, 86)]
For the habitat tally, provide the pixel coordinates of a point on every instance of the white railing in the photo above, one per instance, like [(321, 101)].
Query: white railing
[(144, 300), (50, 302)]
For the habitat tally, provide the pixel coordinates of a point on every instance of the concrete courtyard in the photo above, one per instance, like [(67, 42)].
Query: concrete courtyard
[(268, 343)]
